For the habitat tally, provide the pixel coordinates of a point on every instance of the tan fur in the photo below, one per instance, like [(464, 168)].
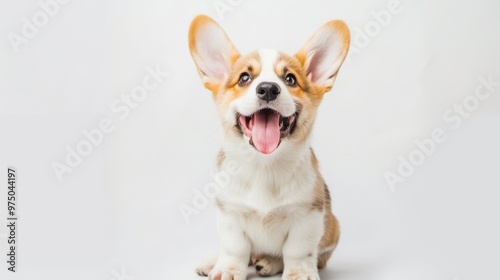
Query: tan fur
[(219, 205), (323, 259), (295, 273), (307, 96), (268, 220), (342, 28), (220, 159), (193, 32), (332, 230), (331, 233), (249, 63), (288, 64), (330, 237), (231, 90)]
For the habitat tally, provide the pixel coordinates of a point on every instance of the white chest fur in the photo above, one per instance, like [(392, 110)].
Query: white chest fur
[(269, 194)]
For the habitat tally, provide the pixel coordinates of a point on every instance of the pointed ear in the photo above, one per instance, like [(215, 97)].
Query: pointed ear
[(324, 52), (212, 51)]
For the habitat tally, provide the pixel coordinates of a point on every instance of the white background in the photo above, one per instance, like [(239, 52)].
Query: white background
[(118, 211)]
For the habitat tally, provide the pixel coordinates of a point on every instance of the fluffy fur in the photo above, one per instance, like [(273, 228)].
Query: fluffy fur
[(275, 213)]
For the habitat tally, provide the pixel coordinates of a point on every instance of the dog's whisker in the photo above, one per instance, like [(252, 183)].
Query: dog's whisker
[(215, 130), (274, 189), (225, 133), (304, 145)]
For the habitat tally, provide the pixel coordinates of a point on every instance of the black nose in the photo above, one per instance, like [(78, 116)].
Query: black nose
[(268, 91)]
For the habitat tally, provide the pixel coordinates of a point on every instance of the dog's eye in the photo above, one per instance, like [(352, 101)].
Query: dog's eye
[(244, 79), (290, 80)]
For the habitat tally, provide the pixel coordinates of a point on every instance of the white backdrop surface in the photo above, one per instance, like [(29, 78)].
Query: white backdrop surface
[(116, 214)]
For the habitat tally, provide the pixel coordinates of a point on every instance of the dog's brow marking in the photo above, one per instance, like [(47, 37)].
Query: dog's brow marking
[(286, 64), (249, 63)]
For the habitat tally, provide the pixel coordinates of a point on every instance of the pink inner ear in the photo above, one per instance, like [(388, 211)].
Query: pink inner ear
[(213, 51), (315, 65), (217, 67), (324, 56)]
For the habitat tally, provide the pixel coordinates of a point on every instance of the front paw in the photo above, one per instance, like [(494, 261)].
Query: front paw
[(229, 272), (205, 268), (300, 274)]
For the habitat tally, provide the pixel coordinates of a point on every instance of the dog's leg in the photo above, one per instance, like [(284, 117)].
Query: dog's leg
[(234, 254), (329, 240), (267, 265), (331, 234), (300, 251), (262, 261)]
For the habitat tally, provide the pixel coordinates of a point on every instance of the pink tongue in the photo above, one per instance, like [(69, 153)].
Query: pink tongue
[(266, 132)]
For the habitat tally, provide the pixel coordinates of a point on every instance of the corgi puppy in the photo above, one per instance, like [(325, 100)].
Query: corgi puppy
[(275, 212)]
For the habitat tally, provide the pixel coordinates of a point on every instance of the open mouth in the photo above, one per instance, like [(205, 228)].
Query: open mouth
[(266, 128)]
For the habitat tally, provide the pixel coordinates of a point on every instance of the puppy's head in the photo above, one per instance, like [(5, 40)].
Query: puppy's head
[(267, 97)]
